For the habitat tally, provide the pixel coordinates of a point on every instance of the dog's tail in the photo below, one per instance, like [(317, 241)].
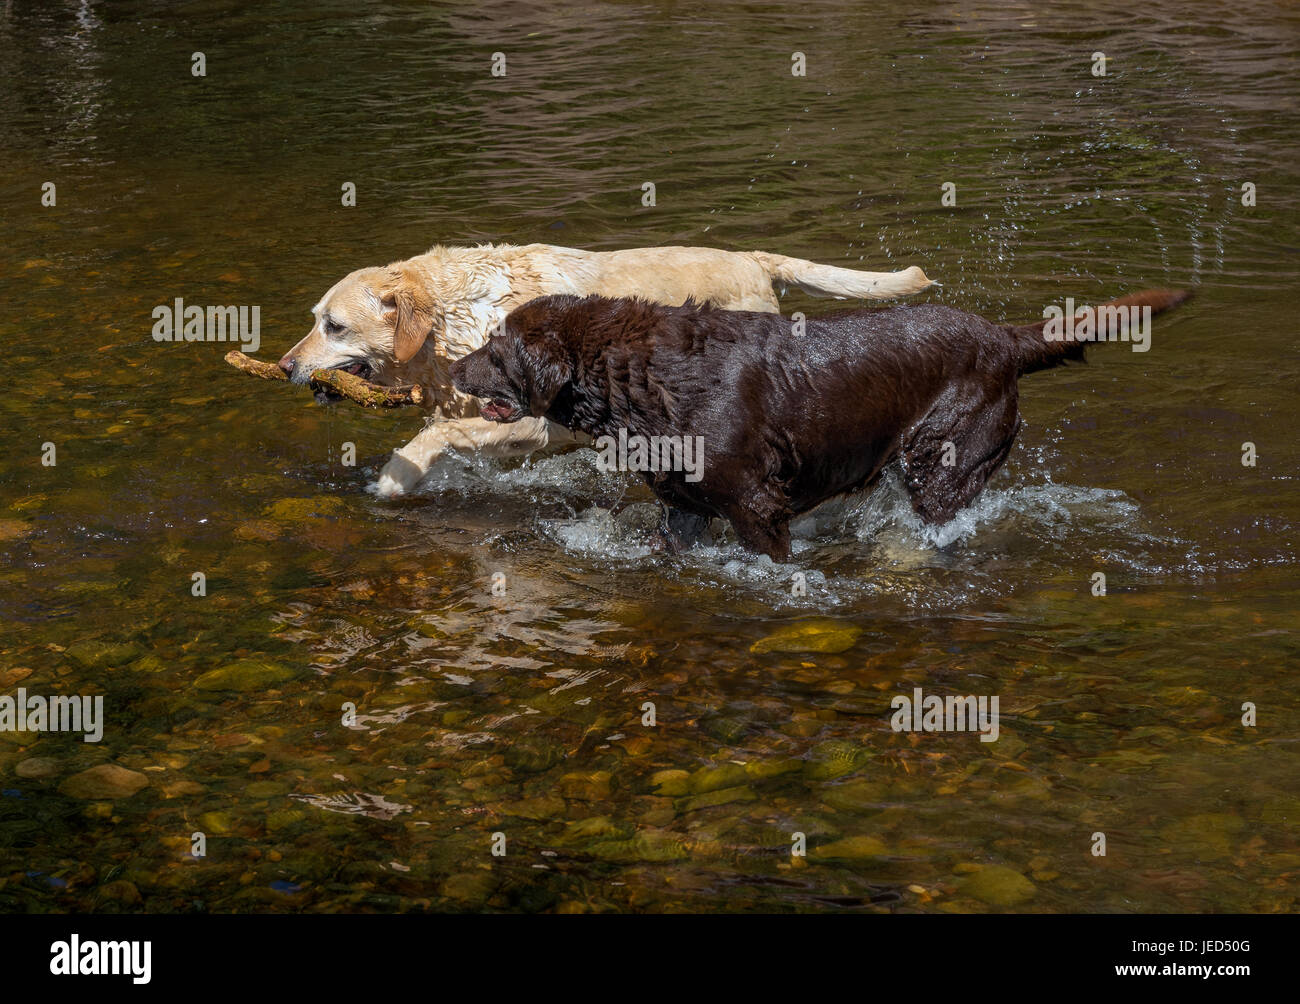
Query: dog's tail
[(1058, 340), (841, 283)]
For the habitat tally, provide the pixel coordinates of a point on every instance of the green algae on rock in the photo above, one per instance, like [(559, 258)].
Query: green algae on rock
[(834, 758), (296, 510), (646, 845), (817, 635), (91, 653), (998, 885), (718, 796), (245, 675)]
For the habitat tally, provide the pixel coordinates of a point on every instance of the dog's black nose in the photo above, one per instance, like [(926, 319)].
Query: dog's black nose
[(286, 364)]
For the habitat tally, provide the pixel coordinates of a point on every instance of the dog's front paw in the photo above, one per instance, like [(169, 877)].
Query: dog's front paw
[(388, 487), (398, 477)]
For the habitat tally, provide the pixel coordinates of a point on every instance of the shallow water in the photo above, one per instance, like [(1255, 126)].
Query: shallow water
[(522, 714)]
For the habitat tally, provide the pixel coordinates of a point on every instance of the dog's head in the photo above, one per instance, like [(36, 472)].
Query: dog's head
[(519, 373), (373, 323)]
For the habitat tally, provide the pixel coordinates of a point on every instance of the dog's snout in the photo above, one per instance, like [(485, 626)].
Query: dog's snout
[(286, 364)]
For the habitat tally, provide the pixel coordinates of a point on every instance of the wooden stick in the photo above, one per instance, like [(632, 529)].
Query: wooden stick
[(363, 392)]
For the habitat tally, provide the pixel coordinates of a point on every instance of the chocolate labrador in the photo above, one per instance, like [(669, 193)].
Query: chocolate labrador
[(786, 418)]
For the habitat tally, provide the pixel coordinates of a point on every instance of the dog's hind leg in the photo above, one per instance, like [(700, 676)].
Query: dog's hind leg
[(949, 455)]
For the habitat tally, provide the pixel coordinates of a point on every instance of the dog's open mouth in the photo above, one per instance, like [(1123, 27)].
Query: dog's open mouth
[(360, 369), (499, 410)]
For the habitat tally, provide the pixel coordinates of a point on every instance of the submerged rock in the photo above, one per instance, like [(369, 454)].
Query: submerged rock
[(594, 828), (119, 891), (244, 675), (284, 818), (834, 758), (215, 822), (724, 728), (720, 796), (648, 845), (1208, 835), (15, 674), (998, 885), (107, 781), (587, 786), (92, 653), (708, 779), (850, 849), (760, 770), (856, 796), (541, 808), (671, 782), (37, 767), (295, 510), (182, 789), (818, 635), (533, 755), (12, 529), (470, 888)]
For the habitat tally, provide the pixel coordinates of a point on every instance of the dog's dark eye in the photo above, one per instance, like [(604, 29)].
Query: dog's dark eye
[(332, 327)]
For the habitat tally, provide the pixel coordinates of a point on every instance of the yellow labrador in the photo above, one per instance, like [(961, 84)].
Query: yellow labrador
[(407, 322)]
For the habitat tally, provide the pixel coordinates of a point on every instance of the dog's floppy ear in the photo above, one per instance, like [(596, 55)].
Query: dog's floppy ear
[(546, 367), (409, 308)]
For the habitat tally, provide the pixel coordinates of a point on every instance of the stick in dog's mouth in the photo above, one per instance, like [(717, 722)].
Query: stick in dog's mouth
[(325, 394), (330, 385)]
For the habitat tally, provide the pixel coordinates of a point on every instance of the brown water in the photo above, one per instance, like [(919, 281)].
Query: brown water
[(522, 714)]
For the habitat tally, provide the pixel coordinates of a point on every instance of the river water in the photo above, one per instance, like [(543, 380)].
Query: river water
[(524, 714)]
